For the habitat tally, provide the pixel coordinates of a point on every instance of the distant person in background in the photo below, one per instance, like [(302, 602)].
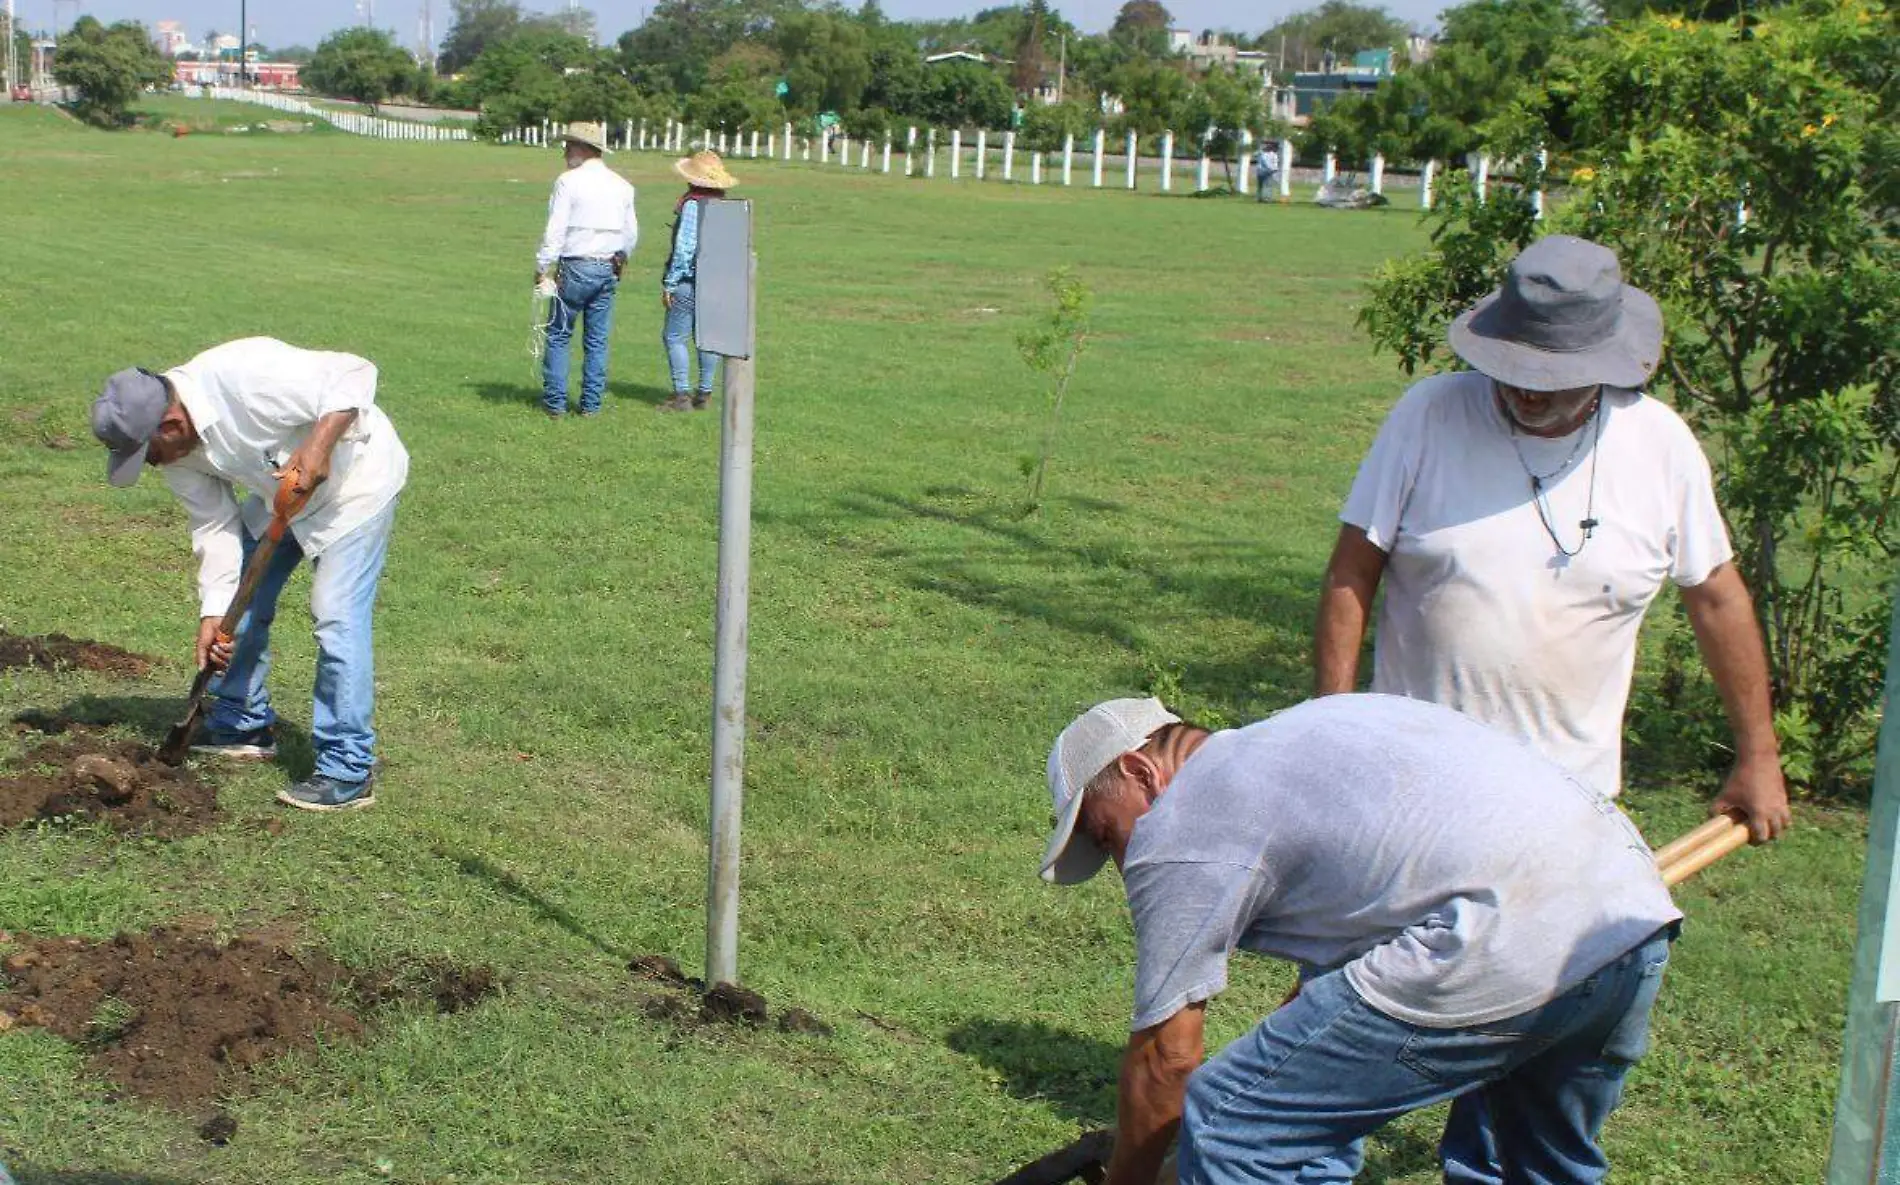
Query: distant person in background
[(706, 179), (590, 233), (1266, 167)]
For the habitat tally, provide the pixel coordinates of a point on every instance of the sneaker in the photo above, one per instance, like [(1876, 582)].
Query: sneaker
[(680, 402), (551, 414), (318, 793), (701, 399), (589, 413), (256, 745)]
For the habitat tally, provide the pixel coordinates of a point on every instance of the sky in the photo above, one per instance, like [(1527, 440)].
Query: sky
[(283, 22)]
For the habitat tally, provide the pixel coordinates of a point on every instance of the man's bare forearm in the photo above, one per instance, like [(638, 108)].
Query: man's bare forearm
[(1345, 610)]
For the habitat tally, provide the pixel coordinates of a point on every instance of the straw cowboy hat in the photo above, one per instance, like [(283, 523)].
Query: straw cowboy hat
[(1563, 319), (591, 134), (706, 170)]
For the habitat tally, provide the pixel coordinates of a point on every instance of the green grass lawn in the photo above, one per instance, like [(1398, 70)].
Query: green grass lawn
[(545, 667)]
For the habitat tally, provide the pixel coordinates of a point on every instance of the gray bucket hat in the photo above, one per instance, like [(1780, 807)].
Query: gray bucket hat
[(125, 418), (1563, 319)]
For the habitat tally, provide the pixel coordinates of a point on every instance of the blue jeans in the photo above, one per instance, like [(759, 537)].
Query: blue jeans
[(1287, 1103), (342, 598), (1264, 183), (679, 327), (587, 288)]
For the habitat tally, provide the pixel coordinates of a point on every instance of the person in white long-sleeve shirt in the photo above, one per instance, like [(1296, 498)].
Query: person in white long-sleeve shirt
[(233, 429), (591, 232)]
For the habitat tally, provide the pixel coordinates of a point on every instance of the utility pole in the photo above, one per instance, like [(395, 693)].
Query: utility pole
[(1062, 66), (244, 37), (13, 52)]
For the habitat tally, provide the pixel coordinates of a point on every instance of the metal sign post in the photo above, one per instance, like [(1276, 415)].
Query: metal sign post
[(1867, 1118), (724, 308)]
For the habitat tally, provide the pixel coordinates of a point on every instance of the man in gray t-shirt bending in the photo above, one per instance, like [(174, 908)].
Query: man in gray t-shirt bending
[(1467, 916)]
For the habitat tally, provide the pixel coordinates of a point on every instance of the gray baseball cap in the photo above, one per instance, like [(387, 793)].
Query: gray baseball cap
[(1563, 319), (125, 417)]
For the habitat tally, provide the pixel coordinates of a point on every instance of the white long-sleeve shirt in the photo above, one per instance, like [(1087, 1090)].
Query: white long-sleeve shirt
[(589, 214), (252, 402)]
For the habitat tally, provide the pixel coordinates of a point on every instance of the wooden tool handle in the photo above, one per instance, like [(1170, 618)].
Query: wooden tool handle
[(1694, 860), (1670, 852)]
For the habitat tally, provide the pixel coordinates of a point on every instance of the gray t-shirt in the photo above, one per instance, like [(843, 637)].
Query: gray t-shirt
[(1458, 876)]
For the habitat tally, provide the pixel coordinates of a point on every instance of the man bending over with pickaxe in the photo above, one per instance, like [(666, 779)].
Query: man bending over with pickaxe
[(1466, 915)]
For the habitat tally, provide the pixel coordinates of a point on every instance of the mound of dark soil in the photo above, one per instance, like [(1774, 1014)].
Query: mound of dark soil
[(57, 651), (119, 783), (166, 1014), (723, 1003)]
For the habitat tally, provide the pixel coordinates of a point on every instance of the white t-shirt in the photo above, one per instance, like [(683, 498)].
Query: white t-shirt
[(1457, 875), (253, 401), (1482, 611), (590, 214)]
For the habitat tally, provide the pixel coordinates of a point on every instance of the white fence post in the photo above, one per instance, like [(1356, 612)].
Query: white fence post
[(1481, 177), (1200, 174), (1378, 172), (1246, 161), (1035, 168), (930, 155), (956, 153), (1286, 168), (788, 141), (1009, 156), (887, 153), (982, 152), (1332, 169), (1068, 157), (1134, 148), (864, 157), (910, 151), (1167, 161), (1425, 185), (755, 143), (1101, 141), (1537, 199), (844, 149)]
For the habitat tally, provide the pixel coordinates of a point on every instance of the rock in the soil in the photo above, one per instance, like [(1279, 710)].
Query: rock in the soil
[(111, 779)]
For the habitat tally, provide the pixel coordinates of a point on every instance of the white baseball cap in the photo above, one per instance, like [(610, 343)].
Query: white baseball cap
[(1092, 741)]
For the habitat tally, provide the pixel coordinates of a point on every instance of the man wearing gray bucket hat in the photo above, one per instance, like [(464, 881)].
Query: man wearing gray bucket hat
[(1521, 517), (591, 233), (1467, 916)]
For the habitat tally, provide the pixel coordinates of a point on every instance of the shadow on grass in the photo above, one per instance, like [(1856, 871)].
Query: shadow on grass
[(1039, 1061), (645, 393), (526, 396), (27, 1173), (1394, 1153), (1093, 584), (511, 886), (149, 718)]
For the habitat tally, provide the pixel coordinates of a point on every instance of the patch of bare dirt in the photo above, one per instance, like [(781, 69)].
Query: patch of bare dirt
[(55, 652), (176, 1016), (123, 784), (691, 1002)]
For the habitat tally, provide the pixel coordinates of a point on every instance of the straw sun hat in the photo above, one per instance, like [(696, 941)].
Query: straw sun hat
[(706, 170), (591, 134)]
